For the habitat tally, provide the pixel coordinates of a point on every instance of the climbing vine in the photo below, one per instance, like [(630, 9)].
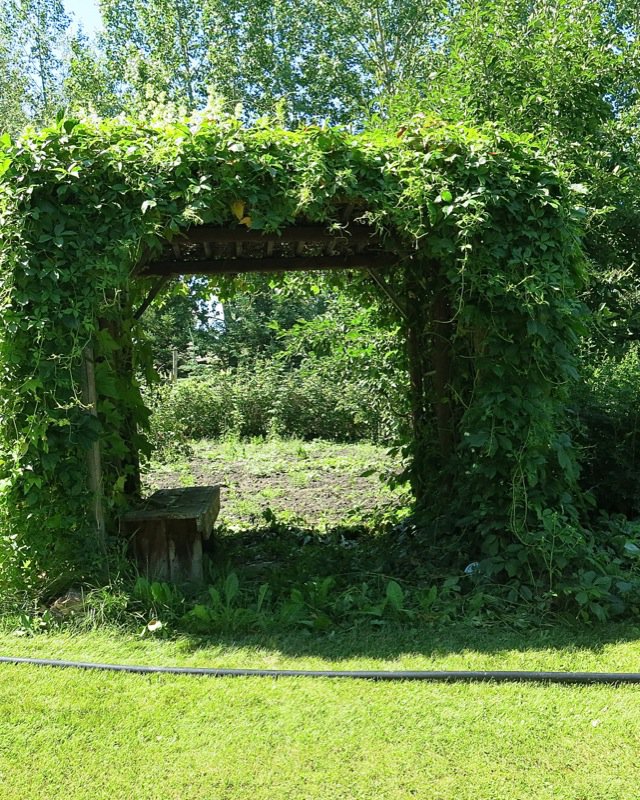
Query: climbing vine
[(487, 236)]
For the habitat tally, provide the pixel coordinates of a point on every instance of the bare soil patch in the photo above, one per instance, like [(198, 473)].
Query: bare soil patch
[(315, 484)]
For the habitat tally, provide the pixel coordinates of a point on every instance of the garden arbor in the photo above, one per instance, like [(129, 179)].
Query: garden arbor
[(470, 236)]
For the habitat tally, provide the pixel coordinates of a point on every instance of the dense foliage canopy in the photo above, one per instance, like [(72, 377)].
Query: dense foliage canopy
[(500, 306), (486, 232), (564, 70)]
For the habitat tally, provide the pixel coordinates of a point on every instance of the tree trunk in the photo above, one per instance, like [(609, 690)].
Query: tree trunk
[(441, 357), (94, 463), (416, 352)]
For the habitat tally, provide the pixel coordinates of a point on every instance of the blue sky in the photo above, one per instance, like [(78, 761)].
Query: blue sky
[(86, 12)]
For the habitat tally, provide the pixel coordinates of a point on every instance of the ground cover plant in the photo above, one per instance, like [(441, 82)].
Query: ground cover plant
[(161, 736), (312, 536)]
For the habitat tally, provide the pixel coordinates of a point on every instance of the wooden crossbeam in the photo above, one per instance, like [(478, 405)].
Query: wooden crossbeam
[(395, 301), (227, 266), (157, 287), (313, 234)]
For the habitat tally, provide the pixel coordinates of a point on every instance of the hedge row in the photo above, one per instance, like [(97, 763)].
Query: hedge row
[(266, 399)]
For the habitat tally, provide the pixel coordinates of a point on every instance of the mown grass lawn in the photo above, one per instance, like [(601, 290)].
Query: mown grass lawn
[(87, 735), (71, 734)]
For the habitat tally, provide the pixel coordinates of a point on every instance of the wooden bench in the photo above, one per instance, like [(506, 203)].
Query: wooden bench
[(168, 531)]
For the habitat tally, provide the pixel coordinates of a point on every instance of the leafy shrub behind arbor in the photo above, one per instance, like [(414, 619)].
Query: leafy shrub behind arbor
[(308, 402), (607, 403)]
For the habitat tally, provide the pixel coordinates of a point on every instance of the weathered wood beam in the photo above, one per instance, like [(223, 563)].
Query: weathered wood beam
[(395, 301), (230, 266), (297, 233), (157, 287)]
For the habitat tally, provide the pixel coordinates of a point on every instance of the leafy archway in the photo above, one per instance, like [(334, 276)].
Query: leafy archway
[(490, 266)]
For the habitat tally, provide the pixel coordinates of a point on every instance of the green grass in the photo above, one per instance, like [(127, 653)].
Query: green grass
[(68, 734), (86, 735)]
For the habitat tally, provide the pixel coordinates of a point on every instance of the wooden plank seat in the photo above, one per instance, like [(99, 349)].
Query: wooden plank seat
[(168, 531)]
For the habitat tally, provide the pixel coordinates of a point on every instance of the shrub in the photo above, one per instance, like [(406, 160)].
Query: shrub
[(608, 412), (307, 402), (253, 391)]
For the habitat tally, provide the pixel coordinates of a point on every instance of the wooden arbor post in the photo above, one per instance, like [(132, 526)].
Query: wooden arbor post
[(441, 360), (121, 364), (429, 357), (94, 460)]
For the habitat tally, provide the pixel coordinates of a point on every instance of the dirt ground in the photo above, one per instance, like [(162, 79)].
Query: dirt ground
[(316, 484)]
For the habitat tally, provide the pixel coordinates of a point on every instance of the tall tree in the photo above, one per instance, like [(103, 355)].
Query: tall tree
[(158, 45), (318, 58), (542, 66), (89, 82), (35, 34), (13, 82)]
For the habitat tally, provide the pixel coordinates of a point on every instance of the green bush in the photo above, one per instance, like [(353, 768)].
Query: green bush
[(252, 393), (309, 406), (266, 398), (188, 409), (608, 410)]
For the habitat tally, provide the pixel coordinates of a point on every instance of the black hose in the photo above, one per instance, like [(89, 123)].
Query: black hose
[(449, 676)]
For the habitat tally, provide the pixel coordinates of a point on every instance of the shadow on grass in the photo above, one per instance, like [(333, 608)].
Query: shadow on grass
[(392, 642), (290, 559), (293, 555)]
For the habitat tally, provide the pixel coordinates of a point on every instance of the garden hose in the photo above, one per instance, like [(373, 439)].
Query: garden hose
[(447, 676)]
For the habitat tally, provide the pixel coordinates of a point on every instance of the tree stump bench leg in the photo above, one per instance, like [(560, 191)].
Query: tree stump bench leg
[(168, 532)]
